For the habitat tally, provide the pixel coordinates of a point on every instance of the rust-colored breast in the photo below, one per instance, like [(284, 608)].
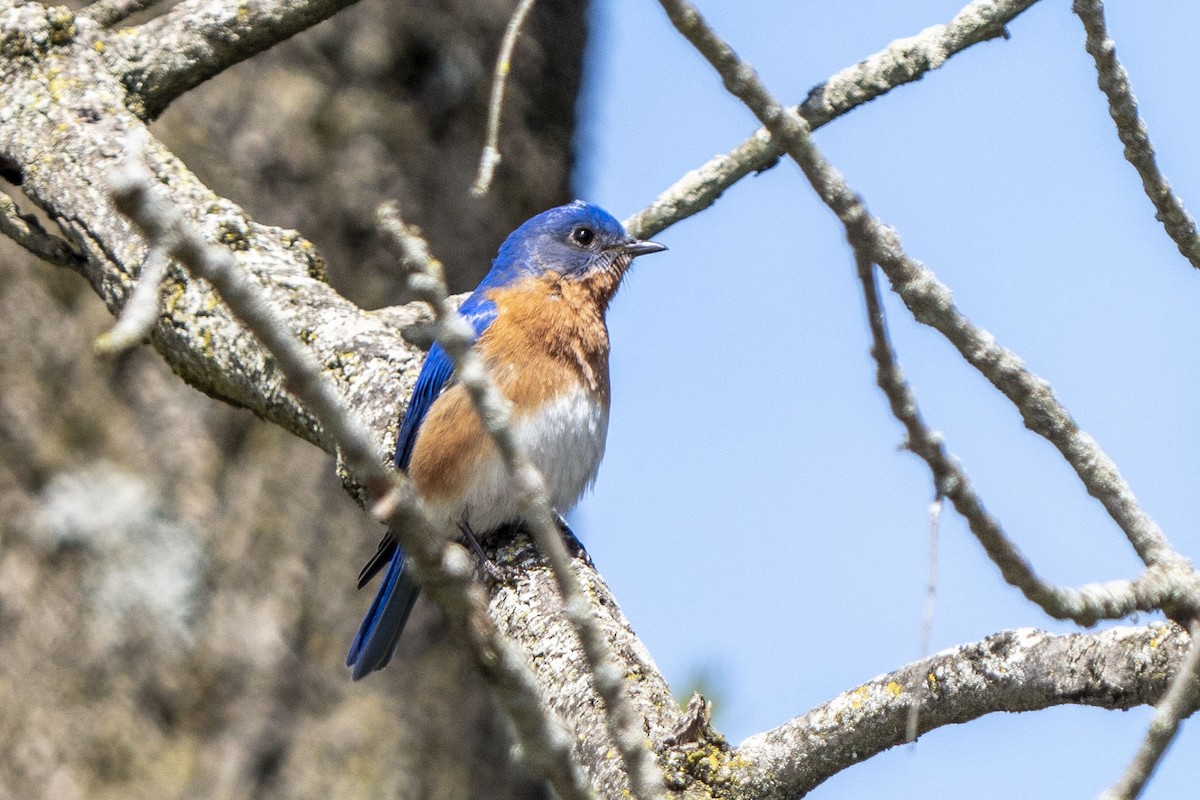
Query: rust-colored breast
[(549, 334), (548, 337)]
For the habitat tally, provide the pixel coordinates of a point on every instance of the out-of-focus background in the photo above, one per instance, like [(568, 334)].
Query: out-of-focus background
[(176, 577)]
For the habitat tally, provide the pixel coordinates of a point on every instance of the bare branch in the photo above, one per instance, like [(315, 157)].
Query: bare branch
[(198, 39), (446, 573), (494, 410), (490, 159), (27, 232), (1085, 605), (1181, 699), (1122, 106), (903, 61), (930, 300), (1021, 670), (141, 310)]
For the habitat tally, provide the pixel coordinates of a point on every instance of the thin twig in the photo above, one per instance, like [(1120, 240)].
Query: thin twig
[(935, 524), (490, 158), (903, 61), (27, 232), (930, 301), (1180, 700), (445, 570), (494, 410), (141, 309), (935, 520), (1122, 107)]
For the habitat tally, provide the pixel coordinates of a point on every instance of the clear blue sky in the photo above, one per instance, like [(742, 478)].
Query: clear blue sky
[(753, 514)]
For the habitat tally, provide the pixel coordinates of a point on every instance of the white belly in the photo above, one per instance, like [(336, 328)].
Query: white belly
[(565, 441)]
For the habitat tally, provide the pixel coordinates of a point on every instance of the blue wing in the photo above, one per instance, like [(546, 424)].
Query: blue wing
[(376, 640), (480, 312), (434, 375)]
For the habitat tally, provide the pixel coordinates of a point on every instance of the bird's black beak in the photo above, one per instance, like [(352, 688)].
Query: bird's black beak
[(637, 247)]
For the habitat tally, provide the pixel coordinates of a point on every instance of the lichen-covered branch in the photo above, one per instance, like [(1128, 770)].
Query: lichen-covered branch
[(903, 61), (198, 39), (65, 122), (169, 233), (1122, 107), (1021, 670), (1180, 700)]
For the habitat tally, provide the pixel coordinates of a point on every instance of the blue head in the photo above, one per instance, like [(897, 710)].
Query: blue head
[(575, 241)]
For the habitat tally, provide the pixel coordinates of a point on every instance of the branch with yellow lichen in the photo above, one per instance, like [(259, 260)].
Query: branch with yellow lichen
[(1019, 670)]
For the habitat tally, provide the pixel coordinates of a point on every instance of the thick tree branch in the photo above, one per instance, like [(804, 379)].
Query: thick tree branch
[(139, 198), (65, 123), (198, 39), (1022, 670), (1181, 699), (903, 61)]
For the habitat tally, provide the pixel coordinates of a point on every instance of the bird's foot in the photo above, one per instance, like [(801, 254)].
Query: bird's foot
[(490, 570)]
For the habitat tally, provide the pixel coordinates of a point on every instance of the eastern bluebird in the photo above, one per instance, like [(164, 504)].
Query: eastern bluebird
[(539, 326)]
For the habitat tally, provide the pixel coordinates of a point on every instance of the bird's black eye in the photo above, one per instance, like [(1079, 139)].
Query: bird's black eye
[(583, 236)]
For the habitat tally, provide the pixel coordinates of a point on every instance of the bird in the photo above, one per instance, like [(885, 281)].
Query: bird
[(539, 319)]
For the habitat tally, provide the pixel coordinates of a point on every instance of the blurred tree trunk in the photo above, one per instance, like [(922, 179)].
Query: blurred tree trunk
[(177, 578)]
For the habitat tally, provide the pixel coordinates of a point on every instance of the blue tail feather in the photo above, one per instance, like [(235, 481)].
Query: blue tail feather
[(375, 643)]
